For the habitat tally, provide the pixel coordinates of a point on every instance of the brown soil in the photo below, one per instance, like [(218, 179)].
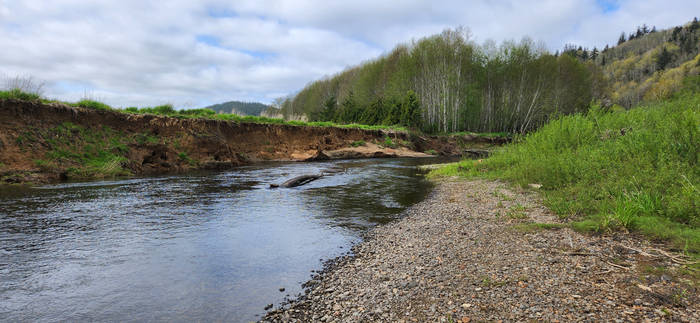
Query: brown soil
[(209, 144)]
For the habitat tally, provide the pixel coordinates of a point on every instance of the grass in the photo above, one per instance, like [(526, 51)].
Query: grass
[(90, 153), (388, 142), (633, 170), (358, 143), (18, 94), (536, 226)]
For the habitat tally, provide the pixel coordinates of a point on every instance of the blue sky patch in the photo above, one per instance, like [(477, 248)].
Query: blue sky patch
[(608, 6)]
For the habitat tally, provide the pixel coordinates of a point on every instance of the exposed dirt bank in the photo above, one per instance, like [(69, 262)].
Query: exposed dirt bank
[(471, 252), (41, 142)]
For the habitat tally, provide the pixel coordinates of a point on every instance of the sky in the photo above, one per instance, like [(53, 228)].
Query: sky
[(196, 53)]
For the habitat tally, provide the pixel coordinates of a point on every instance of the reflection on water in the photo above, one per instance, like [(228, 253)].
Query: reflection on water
[(206, 246)]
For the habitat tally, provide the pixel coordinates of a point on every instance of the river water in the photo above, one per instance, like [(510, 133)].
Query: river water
[(213, 246)]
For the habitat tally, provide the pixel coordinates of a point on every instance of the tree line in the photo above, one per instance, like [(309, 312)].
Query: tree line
[(447, 83)]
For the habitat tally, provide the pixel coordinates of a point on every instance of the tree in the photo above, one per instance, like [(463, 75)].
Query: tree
[(329, 109), (663, 59), (622, 38), (411, 114)]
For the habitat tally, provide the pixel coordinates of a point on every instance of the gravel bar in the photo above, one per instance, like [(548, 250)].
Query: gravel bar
[(470, 253)]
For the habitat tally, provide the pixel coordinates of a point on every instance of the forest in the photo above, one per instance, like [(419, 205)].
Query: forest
[(447, 83), (239, 108)]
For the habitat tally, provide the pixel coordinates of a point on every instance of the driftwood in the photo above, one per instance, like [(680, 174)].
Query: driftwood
[(297, 181)]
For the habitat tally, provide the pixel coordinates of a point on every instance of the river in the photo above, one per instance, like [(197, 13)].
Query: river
[(209, 246)]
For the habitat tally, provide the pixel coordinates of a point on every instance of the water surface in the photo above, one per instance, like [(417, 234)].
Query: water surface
[(204, 246)]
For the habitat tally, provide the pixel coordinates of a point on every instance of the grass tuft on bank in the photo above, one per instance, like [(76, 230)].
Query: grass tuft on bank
[(631, 170)]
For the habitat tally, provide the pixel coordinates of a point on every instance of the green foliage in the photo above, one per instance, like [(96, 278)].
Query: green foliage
[(18, 94), (635, 170), (88, 152), (446, 83), (240, 108), (358, 143), (90, 104), (388, 142)]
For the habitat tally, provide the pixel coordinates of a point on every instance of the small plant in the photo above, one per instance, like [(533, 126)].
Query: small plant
[(431, 152), (388, 142), (517, 212), (358, 143), (502, 196)]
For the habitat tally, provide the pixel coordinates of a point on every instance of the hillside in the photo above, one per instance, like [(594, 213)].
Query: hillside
[(239, 108), (646, 65)]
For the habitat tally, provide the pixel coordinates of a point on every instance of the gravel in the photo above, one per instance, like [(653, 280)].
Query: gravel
[(462, 255)]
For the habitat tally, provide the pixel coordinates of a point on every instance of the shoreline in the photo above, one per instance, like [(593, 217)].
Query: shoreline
[(478, 250)]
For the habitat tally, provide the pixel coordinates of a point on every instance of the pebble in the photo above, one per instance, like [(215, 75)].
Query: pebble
[(454, 254)]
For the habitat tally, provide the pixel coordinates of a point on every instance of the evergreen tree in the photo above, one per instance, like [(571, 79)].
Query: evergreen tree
[(329, 109), (663, 59), (622, 38), (411, 116)]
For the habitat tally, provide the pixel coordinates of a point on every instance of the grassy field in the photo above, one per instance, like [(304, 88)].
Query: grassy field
[(633, 170)]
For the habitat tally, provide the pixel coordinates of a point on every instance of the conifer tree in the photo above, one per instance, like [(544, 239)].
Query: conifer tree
[(622, 38)]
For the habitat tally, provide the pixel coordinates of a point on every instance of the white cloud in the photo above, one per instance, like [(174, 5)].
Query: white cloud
[(196, 53)]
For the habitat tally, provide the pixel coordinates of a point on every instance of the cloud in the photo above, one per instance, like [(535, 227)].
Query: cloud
[(193, 53)]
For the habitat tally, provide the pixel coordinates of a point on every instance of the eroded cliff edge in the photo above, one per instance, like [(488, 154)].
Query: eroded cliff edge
[(42, 142)]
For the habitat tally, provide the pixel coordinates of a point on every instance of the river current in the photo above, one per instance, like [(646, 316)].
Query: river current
[(210, 246)]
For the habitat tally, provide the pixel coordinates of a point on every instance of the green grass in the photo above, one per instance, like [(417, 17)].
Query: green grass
[(631, 170), (91, 104), (84, 152), (536, 226), (358, 143), (388, 142), (18, 94)]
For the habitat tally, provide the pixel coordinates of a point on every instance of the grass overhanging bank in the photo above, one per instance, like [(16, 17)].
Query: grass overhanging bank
[(168, 110), (633, 170)]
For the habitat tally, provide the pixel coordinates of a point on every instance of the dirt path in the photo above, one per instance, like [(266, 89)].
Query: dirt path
[(467, 254)]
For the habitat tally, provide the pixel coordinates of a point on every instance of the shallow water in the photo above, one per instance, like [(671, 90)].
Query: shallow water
[(202, 247)]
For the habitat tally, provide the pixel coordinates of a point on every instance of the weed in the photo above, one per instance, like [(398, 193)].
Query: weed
[(535, 226), (185, 158), (502, 196), (358, 143), (388, 142), (431, 152), (517, 212)]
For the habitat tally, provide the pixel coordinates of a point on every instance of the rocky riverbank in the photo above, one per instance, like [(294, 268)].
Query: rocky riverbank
[(483, 251)]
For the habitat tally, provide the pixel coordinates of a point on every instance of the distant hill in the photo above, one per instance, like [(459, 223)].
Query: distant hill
[(647, 64), (240, 108)]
